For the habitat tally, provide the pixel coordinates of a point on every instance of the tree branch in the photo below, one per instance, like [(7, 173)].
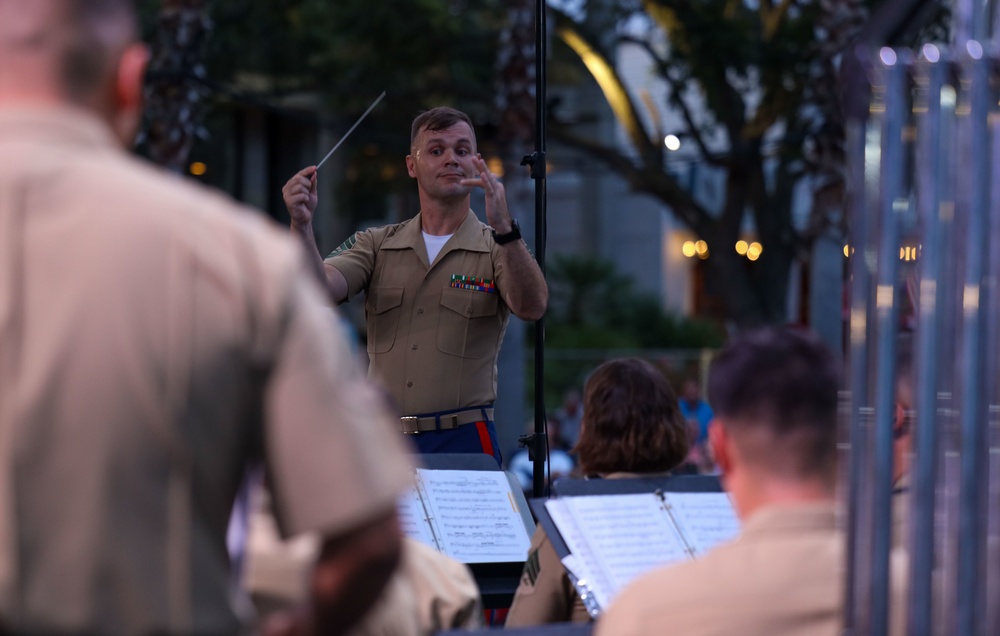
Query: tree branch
[(676, 88), (651, 181), (606, 75), (773, 18)]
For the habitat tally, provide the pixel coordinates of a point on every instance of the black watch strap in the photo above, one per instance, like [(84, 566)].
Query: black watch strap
[(513, 235)]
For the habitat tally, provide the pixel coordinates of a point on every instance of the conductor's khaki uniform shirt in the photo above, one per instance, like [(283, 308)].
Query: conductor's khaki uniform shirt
[(782, 576), (434, 329), (154, 339)]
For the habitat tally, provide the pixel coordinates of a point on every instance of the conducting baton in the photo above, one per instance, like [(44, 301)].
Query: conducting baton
[(351, 129)]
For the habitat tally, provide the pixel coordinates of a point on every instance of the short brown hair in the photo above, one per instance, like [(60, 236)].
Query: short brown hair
[(631, 420), (779, 383), (95, 49), (438, 118)]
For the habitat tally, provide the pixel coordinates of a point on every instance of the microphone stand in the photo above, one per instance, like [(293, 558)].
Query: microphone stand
[(536, 160)]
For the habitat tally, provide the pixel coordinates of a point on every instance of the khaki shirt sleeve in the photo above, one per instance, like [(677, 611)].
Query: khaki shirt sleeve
[(545, 594), (334, 462), (447, 594), (499, 274), (429, 593), (355, 259)]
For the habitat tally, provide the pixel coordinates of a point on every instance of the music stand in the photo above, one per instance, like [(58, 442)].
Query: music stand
[(497, 581)]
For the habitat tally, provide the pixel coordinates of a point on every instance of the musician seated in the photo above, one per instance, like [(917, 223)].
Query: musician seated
[(774, 437), (632, 427)]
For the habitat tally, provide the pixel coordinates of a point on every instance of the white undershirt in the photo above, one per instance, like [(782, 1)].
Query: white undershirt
[(434, 244)]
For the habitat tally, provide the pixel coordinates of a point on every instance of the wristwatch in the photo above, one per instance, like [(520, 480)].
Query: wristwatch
[(513, 235)]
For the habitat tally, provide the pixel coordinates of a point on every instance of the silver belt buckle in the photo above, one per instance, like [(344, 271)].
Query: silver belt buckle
[(410, 419)]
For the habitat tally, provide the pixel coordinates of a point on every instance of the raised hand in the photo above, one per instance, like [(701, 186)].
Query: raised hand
[(497, 214), (300, 197)]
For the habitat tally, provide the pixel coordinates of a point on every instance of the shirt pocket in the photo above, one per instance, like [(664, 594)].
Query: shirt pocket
[(384, 305), (468, 323)]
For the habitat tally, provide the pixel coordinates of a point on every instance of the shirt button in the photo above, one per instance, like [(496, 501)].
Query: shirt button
[(409, 384), (413, 347), (420, 311), (468, 311)]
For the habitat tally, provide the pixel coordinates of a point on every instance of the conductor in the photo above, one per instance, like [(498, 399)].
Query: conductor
[(439, 287)]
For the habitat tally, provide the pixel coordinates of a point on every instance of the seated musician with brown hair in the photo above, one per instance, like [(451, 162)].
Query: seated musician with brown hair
[(631, 427)]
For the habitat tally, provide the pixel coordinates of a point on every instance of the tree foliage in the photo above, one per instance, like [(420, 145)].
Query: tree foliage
[(421, 52), (596, 311), (174, 93), (755, 85), (739, 75), (322, 61), (593, 306)]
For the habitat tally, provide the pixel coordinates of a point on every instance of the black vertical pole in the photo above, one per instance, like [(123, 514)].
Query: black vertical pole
[(536, 160)]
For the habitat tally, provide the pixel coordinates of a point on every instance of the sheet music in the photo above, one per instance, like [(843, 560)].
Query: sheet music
[(413, 519), (616, 538), (476, 516), (583, 563), (705, 518)]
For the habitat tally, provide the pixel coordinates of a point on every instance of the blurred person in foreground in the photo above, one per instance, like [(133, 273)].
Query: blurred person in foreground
[(439, 288), (631, 428), (155, 338), (774, 393), (430, 591)]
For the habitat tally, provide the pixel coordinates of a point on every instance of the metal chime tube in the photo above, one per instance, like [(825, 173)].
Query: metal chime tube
[(863, 146), (893, 203), (972, 518), (954, 513), (931, 178)]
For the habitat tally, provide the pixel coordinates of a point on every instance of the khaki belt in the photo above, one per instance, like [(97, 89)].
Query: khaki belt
[(413, 424)]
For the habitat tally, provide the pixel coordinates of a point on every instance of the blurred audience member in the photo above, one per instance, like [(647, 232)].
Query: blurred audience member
[(698, 414), (695, 410), (562, 463), (570, 416)]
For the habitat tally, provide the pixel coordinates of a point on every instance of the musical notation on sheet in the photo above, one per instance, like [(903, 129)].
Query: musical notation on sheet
[(475, 518), (705, 519), (617, 538), (413, 519)]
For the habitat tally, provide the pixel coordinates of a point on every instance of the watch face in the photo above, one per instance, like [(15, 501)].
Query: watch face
[(513, 235)]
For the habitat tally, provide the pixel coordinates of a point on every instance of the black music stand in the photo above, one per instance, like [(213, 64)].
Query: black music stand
[(625, 486), (554, 629), (568, 487), (497, 581)]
